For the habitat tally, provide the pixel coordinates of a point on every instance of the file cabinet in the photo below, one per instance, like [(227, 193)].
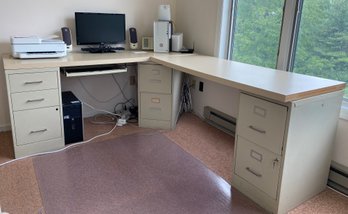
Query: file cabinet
[(260, 133), (36, 114), (159, 96), (281, 153)]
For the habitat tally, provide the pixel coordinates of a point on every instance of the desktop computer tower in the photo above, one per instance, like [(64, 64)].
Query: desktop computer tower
[(162, 36), (72, 117)]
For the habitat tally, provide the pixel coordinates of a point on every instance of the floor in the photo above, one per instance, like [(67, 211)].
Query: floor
[(19, 189)]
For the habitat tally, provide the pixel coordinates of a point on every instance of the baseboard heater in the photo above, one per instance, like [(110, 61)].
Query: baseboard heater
[(338, 178), (220, 120)]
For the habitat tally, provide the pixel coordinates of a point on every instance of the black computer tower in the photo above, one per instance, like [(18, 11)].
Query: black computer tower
[(72, 116)]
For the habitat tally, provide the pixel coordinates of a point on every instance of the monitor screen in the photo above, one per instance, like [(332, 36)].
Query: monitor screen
[(100, 28)]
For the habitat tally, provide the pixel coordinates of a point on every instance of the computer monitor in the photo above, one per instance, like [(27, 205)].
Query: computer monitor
[(100, 28)]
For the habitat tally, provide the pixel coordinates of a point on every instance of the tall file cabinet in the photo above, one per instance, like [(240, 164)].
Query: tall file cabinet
[(159, 96), (282, 154), (35, 109)]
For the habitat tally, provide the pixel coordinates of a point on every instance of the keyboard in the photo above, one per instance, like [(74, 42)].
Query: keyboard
[(102, 50)]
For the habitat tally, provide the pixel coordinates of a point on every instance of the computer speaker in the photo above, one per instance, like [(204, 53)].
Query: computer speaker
[(133, 40), (66, 35)]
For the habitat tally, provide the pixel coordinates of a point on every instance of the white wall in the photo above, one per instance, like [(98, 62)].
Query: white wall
[(341, 144), (42, 17), (199, 20)]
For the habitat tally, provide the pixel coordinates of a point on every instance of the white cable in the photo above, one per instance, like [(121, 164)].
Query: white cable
[(72, 145), (59, 150), (101, 109)]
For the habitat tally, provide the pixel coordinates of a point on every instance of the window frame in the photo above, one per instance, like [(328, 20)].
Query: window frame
[(292, 11)]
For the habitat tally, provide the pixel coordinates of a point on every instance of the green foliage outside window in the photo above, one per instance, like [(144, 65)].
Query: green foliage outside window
[(322, 45), (257, 32)]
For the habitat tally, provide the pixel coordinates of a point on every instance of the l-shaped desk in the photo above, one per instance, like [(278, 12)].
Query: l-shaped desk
[(285, 127)]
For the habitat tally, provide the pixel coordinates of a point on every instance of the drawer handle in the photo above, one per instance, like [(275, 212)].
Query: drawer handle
[(155, 100), (252, 172), (38, 131), (33, 82), (156, 72), (257, 130), (155, 81), (35, 100)]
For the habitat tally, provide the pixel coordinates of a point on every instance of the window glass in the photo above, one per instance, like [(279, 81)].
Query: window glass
[(257, 27), (322, 40)]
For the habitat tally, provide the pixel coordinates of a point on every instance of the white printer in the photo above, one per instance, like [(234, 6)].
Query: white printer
[(34, 47)]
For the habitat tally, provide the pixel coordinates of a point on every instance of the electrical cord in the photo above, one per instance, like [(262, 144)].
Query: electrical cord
[(59, 150), (70, 146), (108, 100), (119, 86), (111, 119), (123, 104), (186, 99)]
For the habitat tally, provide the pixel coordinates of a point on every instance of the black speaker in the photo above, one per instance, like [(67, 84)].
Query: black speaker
[(66, 34), (133, 40)]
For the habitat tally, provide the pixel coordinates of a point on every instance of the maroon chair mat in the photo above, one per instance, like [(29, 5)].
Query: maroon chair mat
[(139, 173)]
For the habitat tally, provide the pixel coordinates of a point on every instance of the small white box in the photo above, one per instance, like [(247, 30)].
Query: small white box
[(164, 13), (177, 42)]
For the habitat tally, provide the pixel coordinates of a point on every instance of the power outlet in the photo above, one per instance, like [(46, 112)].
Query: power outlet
[(200, 86), (132, 80)]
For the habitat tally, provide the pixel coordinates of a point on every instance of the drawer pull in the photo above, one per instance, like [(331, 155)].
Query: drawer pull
[(155, 100), (252, 172), (155, 81), (155, 109), (38, 131), (257, 130), (35, 100), (33, 82), (156, 72)]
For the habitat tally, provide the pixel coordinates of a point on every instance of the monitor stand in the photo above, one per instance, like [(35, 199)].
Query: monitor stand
[(103, 48)]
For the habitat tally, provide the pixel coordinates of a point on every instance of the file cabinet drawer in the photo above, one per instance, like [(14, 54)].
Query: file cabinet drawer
[(155, 124), (262, 122), (33, 81), (155, 106), (155, 78), (36, 99), (258, 166), (37, 125)]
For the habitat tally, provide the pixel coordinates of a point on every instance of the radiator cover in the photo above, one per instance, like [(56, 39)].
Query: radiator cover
[(220, 120), (338, 178)]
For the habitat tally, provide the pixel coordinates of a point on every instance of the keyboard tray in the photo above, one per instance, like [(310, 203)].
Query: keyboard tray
[(78, 71)]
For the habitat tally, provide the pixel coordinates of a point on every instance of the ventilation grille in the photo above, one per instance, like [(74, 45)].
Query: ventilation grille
[(220, 120), (338, 178)]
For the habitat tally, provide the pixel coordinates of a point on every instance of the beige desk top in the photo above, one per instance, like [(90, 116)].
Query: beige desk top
[(274, 84)]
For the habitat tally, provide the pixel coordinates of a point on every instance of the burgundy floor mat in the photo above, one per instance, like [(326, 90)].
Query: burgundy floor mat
[(139, 173)]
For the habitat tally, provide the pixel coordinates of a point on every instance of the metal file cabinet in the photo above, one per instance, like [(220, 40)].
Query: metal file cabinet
[(36, 116), (281, 156), (159, 96)]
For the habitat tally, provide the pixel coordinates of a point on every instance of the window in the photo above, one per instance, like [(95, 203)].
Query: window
[(303, 36), (321, 48), (256, 32)]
